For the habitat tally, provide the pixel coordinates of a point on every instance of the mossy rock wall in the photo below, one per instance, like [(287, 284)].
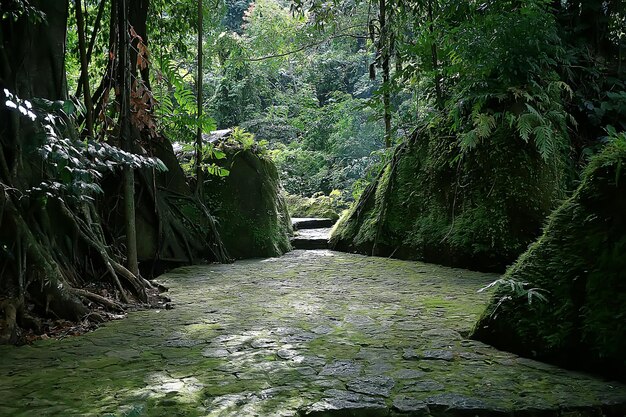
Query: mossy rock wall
[(253, 220), (479, 211), (580, 264)]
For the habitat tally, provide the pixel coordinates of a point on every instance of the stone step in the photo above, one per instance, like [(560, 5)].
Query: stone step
[(311, 238), (300, 223), (299, 243)]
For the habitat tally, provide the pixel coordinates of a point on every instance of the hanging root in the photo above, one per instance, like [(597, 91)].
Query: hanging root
[(169, 218), (393, 165), (114, 268)]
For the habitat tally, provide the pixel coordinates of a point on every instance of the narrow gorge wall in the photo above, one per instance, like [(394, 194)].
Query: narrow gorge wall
[(579, 265), (477, 210)]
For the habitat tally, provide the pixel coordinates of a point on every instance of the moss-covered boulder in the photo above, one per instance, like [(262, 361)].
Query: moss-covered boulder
[(579, 265), (248, 203), (479, 210), (317, 206)]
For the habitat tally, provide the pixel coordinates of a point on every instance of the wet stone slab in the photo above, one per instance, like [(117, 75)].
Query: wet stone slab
[(313, 333)]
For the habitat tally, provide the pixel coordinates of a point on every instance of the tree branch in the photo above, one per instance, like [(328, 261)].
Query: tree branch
[(307, 46)]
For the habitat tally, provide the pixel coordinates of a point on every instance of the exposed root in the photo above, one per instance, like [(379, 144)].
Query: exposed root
[(137, 284), (98, 299)]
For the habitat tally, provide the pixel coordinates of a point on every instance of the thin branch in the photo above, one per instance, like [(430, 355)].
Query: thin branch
[(307, 46), (92, 43), (83, 66)]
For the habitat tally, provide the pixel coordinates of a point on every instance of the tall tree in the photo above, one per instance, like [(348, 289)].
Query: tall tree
[(82, 48), (27, 229), (124, 81), (198, 158), (385, 56)]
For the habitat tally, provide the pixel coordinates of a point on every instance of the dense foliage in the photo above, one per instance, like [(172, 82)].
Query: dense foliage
[(496, 96), (577, 265), (302, 91)]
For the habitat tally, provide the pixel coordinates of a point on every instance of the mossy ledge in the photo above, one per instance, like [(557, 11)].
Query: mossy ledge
[(579, 262), (477, 209), (252, 214)]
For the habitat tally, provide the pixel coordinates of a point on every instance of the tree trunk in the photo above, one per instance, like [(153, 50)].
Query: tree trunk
[(32, 64), (124, 73), (199, 173), (36, 52), (138, 18), (84, 76), (385, 56), (92, 42)]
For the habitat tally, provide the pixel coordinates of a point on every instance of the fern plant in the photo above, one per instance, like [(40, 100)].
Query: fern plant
[(505, 75), (177, 106), (509, 289), (535, 113)]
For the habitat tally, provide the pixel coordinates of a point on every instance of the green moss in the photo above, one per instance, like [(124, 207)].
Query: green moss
[(579, 263), (479, 209), (293, 299), (326, 348), (318, 206), (249, 205)]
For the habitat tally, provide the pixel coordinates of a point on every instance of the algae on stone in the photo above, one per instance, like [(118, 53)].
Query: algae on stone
[(478, 209), (252, 215), (580, 264)]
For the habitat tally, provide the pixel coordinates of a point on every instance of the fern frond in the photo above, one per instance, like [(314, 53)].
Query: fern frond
[(469, 140), (525, 125), (484, 125), (544, 139)]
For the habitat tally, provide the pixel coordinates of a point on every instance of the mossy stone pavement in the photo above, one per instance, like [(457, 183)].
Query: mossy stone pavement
[(313, 333)]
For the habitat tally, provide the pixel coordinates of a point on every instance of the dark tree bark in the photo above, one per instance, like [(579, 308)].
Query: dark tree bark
[(124, 82), (138, 18), (35, 53), (31, 65), (199, 173), (84, 63), (385, 50)]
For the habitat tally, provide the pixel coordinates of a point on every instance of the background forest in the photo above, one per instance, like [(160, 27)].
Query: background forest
[(305, 93), (325, 86)]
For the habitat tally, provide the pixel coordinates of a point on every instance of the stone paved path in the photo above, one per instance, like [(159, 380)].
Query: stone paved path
[(301, 335)]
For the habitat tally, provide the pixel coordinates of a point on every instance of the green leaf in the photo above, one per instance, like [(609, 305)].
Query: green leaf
[(217, 154)]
